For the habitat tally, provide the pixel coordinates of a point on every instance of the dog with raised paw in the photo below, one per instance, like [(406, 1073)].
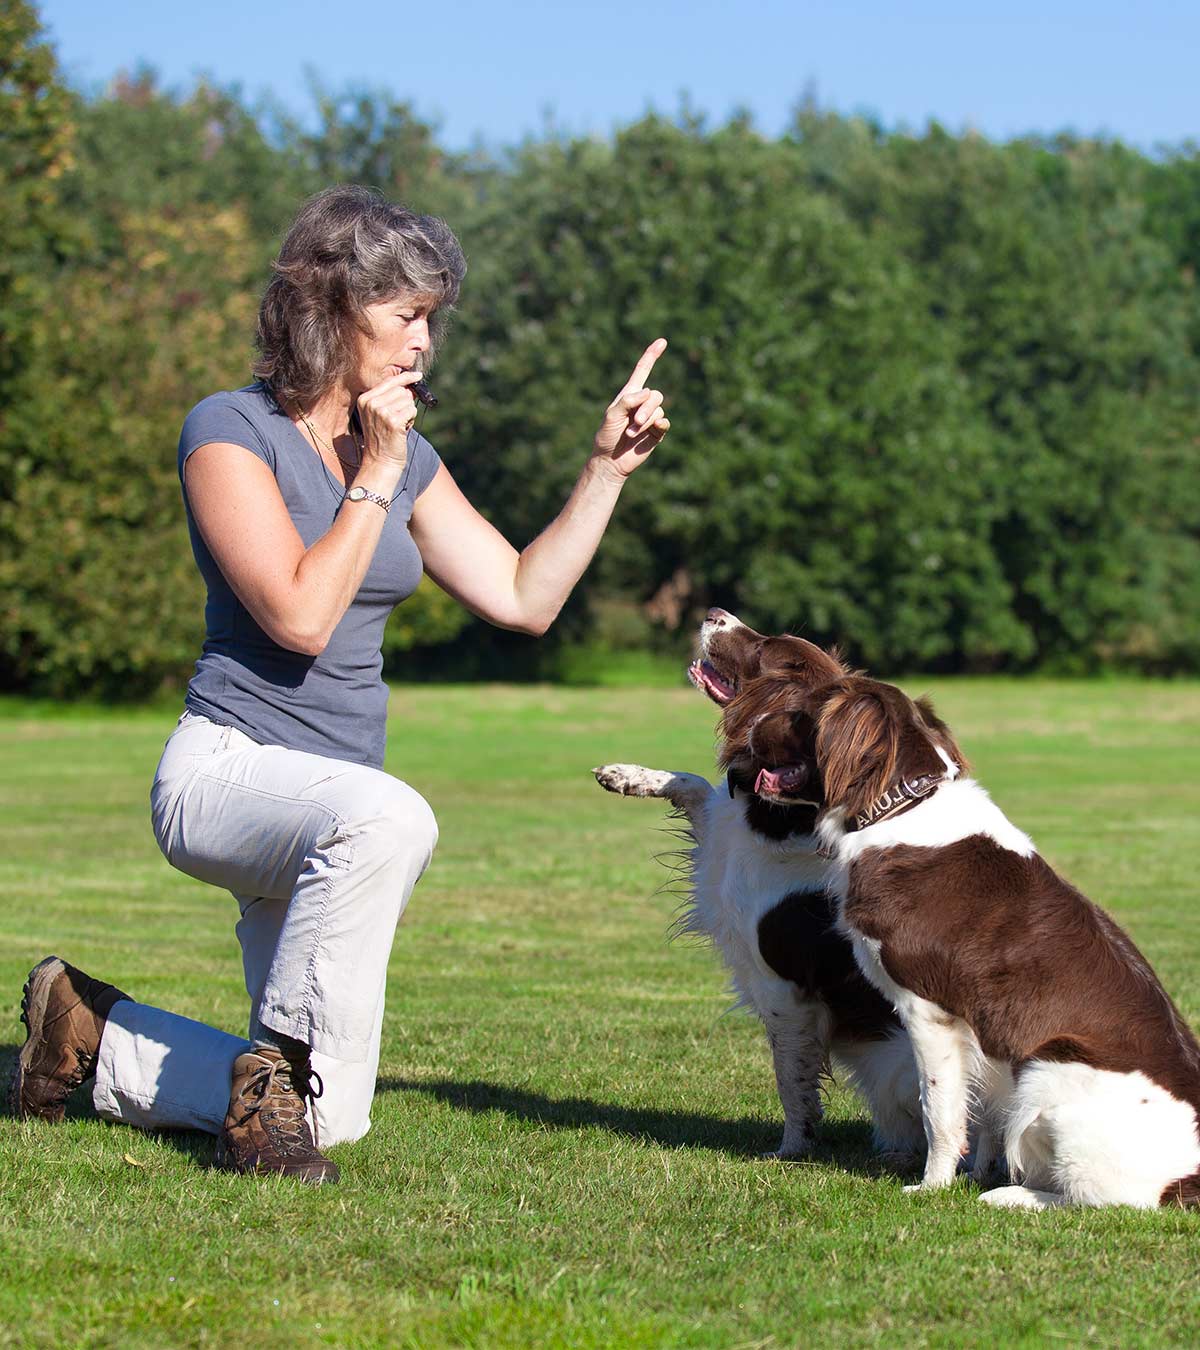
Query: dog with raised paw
[(759, 889), (1018, 994)]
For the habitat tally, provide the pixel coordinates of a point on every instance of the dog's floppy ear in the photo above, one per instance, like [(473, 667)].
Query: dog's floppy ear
[(760, 719), (856, 746), (870, 737), (783, 736)]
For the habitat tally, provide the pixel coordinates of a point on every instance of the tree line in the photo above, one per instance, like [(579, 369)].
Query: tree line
[(933, 398)]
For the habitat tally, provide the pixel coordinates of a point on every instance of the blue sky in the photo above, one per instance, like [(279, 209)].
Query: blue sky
[(496, 71)]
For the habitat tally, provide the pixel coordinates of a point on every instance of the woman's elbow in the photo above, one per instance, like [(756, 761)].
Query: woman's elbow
[(532, 622), (526, 624), (312, 645), (293, 621), (298, 638)]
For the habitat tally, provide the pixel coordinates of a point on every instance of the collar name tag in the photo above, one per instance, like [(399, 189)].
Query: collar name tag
[(895, 799)]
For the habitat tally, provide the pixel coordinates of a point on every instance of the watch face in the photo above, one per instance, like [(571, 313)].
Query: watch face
[(356, 494)]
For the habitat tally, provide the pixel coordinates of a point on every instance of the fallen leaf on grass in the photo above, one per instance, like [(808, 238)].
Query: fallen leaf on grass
[(133, 1162)]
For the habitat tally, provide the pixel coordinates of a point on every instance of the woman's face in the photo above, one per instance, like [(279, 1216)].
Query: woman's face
[(400, 336)]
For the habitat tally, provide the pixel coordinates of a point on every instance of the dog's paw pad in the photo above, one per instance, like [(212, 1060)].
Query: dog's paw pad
[(627, 780)]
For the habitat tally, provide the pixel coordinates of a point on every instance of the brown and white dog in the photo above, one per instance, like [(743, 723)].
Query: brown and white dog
[(759, 889), (1017, 992)]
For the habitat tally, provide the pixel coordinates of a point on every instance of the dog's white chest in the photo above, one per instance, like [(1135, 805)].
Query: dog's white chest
[(738, 876)]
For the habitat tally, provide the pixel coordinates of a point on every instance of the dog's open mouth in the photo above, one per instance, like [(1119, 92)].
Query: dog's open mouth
[(705, 676), (783, 784)]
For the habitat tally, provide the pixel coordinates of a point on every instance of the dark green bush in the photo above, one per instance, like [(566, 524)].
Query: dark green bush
[(932, 398)]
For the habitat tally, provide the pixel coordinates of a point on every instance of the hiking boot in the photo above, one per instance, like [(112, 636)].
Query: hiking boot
[(64, 1012), (266, 1126)]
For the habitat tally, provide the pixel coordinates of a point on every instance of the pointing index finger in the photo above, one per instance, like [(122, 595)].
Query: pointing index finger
[(645, 365)]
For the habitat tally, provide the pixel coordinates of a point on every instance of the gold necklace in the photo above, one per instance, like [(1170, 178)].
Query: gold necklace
[(317, 441)]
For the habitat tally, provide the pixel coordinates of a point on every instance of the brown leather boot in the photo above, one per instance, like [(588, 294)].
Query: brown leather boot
[(266, 1127), (64, 1011)]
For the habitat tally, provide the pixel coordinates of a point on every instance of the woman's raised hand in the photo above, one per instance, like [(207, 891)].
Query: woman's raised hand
[(634, 421), (386, 414)]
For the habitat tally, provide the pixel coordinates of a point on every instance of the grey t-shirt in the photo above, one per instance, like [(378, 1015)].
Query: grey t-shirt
[(334, 704)]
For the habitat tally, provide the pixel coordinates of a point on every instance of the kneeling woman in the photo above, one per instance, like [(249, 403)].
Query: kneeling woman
[(313, 508)]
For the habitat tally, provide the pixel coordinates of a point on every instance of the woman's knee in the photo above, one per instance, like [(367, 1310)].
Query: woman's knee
[(399, 821)]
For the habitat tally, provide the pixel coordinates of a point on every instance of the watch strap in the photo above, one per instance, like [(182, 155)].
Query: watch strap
[(361, 494)]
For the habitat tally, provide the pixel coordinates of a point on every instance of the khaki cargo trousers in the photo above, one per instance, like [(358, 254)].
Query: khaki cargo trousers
[(321, 856)]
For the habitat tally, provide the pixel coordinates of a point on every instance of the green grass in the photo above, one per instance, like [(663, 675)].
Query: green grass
[(565, 1138)]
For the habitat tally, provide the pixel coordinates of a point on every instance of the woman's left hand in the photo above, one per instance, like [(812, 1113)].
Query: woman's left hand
[(634, 421)]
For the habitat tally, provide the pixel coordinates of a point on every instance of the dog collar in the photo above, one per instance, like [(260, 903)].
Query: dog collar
[(897, 798)]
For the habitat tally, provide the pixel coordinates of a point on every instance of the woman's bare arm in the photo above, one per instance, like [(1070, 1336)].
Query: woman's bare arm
[(524, 591), (468, 557), (297, 596)]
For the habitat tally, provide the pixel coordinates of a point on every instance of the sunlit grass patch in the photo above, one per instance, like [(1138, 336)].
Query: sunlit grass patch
[(566, 1138)]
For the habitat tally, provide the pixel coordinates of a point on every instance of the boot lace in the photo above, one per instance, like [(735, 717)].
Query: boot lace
[(85, 1067), (279, 1092)]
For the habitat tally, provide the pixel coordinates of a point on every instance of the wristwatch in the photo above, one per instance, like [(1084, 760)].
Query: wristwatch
[(360, 494)]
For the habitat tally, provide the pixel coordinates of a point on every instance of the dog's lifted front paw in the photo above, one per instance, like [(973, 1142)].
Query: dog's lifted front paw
[(632, 780)]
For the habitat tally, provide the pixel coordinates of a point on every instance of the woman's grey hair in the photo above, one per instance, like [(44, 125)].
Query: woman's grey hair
[(348, 248)]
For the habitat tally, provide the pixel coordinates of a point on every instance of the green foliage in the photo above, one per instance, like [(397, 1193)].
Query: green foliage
[(367, 137), (97, 585), (428, 617), (1070, 320), (933, 398), (142, 149), (36, 150), (924, 391)]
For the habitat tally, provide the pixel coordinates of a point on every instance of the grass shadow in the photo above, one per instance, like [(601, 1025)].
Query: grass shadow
[(8, 1062), (844, 1144), (201, 1148)]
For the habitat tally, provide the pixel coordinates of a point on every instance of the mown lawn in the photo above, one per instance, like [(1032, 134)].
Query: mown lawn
[(567, 1128)]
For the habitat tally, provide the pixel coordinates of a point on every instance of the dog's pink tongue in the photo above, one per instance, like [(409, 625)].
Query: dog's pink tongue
[(778, 782), (706, 679)]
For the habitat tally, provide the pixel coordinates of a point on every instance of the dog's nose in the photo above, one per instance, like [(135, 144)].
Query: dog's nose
[(717, 616)]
